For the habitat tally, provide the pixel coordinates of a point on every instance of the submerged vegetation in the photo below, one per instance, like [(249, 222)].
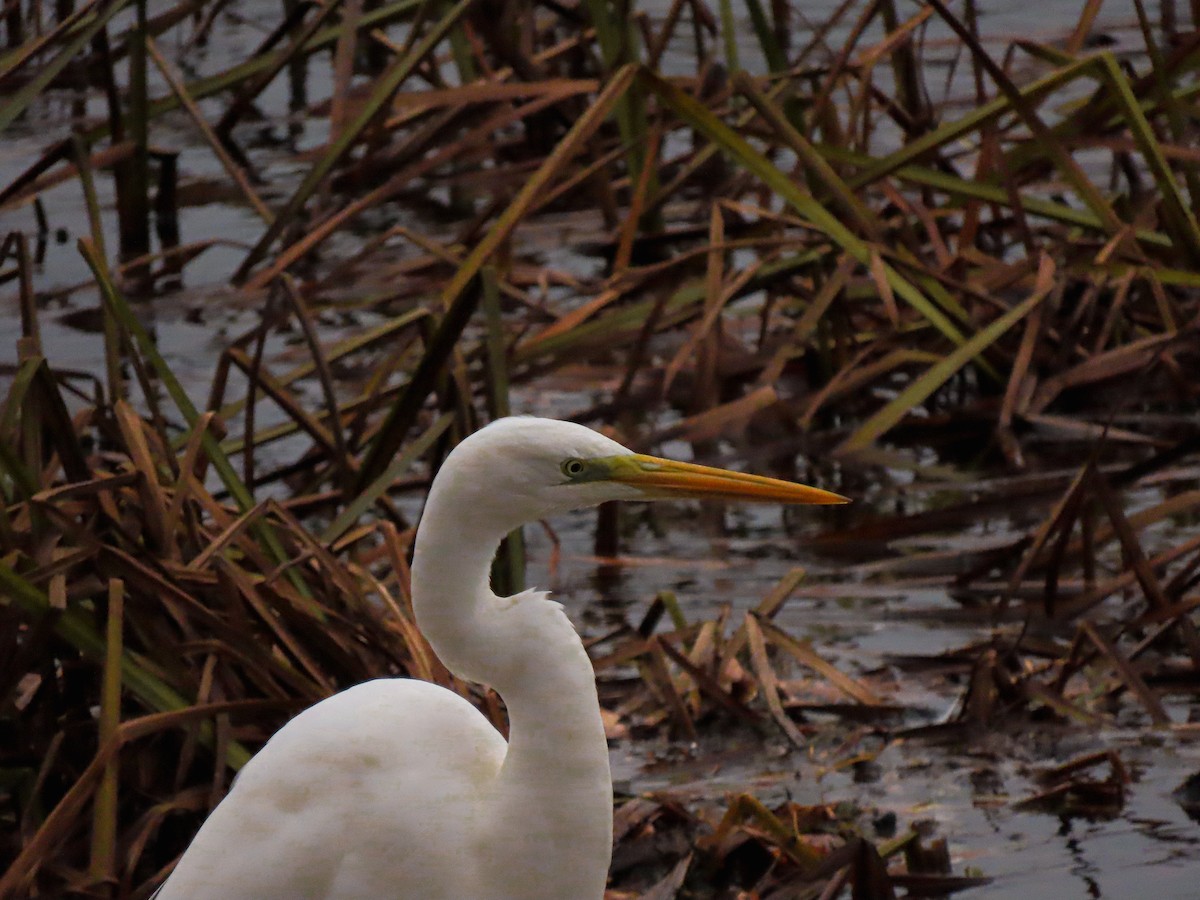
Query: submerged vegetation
[(877, 240)]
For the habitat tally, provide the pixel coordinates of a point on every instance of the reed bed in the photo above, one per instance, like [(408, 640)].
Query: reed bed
[(853, 252)]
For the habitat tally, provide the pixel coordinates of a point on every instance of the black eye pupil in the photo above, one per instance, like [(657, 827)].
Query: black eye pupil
[(574, 467)]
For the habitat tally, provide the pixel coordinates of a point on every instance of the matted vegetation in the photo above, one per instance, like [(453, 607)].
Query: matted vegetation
[(848, 250)]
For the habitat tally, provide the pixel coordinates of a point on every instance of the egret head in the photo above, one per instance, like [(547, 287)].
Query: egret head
[(521, 469)]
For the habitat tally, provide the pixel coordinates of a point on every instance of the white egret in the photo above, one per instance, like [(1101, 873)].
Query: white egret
[(401, 789)]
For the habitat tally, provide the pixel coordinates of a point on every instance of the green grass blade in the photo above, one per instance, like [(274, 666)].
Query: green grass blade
[(993, 193), (740, 151), (78, 630), (1180, 219), (951, 131), (767, 42), (381, 95), (237, 75), (132, 326), (33, 88), (397, 467), (937, 375), (729, 35), (458, 302), (619, 47)]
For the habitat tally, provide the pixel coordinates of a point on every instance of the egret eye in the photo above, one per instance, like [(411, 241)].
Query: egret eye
[(573, 468)]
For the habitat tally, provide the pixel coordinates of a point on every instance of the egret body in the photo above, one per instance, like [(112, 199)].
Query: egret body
[(401, 789)]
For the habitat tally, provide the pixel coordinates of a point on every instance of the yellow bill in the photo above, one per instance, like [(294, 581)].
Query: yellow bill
[(666, 478)]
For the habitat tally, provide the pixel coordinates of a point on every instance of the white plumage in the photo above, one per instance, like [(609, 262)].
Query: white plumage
[(401, 789)]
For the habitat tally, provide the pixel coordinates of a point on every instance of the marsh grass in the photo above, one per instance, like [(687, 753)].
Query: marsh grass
[(839, 254)]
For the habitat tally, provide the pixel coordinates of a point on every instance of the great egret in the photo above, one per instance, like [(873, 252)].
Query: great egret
[(401, 789)]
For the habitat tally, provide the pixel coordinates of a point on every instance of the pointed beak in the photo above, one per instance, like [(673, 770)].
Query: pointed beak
[(668, 479)]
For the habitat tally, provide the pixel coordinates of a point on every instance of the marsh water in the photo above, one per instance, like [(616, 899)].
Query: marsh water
[(862, 616)]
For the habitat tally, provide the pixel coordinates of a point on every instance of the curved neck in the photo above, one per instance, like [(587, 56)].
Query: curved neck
[(451, 568), (523, 646), (527, 649)]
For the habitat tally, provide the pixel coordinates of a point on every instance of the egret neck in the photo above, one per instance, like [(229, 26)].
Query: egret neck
[(555, 778)]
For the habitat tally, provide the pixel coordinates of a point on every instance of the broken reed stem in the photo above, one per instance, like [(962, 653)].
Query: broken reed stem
[(103, 867), (214, 142)]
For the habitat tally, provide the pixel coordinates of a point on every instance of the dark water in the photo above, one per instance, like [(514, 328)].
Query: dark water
[(968, 789), (859, 622)]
